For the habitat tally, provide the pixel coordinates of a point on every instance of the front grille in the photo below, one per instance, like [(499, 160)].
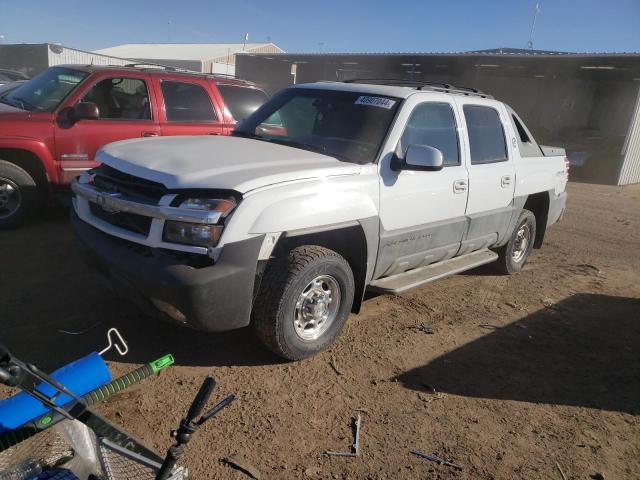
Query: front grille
[(134, 188), (128, 221), (165, 256)]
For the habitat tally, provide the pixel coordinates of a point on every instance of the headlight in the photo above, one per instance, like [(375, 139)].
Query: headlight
[(202, 235), (192, 233), (209, 204)]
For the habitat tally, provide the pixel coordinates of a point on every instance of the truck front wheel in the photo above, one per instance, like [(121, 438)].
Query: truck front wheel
[(19, 196), (513, 256), (303, 302)]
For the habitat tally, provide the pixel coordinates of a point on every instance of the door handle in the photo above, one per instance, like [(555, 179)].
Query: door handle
[(505, 181), (214, 133), (460, 186), (149, 134)]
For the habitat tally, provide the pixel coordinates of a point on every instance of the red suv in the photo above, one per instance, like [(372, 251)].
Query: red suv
[(52, 125)]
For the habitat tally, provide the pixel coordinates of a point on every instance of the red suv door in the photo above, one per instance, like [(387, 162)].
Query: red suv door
[(189, 106), (126, 110)]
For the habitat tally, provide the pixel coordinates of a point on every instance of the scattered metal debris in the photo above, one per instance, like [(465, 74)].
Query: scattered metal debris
[(334, 366), (80, 332), (548, 302), (242, 464), (489, 326), (423, 327), (355, 448), (438, 460), (564, 477), (431, 397)]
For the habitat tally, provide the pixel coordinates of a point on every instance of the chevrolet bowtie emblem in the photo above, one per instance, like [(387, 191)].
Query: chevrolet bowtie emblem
[(103, 200)]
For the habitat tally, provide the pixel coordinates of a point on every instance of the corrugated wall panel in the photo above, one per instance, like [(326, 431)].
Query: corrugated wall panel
[(59, 55), (630, 171)]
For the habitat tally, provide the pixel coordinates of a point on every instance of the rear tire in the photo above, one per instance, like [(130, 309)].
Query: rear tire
[(19, 197), (513, 255), (303, 302)]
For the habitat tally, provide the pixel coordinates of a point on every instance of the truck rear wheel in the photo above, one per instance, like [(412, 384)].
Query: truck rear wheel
[(19, 196), (304, 301), (515, 253)]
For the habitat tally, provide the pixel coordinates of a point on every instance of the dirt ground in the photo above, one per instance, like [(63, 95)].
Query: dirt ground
[(508, 377)]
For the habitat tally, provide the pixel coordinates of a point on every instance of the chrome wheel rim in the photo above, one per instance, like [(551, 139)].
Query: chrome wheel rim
[(10, 198), (521, 243), (317, 308)]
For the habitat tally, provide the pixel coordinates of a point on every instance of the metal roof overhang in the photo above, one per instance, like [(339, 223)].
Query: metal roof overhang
[(614, 66)]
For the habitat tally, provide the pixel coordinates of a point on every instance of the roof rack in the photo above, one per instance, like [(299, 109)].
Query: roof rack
[(419, 85), (158, 66)]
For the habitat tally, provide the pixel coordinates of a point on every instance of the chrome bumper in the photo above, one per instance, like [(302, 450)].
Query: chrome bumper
[(86, 193), (113, 202)]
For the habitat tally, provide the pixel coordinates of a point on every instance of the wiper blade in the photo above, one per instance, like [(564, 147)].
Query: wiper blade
[(291, 143), (295, 143), (240, 133)]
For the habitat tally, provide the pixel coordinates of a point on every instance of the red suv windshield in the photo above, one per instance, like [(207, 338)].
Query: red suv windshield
[(44, 92)]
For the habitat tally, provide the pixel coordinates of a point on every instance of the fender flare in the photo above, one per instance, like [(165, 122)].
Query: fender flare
[(36, 148)]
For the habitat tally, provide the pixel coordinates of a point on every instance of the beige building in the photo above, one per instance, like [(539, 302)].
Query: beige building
[(202, 57)]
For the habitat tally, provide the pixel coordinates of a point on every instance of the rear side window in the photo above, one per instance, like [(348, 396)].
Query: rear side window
[(524, 137), (187, 102), (433, 124), (241, 101), (486, 135)]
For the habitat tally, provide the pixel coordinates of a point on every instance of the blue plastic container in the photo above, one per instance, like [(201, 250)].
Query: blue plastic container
[(80, 377)]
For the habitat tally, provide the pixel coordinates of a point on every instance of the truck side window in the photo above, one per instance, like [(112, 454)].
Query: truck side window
[(242, 101), (524, 138), (433, 124), (486, 135), (121, 99), (526, 143), (187, 102)]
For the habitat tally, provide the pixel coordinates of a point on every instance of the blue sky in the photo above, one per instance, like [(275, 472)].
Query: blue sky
[(328, 25)]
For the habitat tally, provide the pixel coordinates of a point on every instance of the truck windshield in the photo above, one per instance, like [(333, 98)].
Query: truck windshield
[(347, 125), (44, 92)]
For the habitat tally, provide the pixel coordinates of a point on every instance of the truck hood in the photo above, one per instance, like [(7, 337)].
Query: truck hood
[(10, 113), (232, 163)]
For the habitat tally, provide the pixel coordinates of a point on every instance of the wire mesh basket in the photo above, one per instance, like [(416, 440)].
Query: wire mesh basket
[(71, 446)]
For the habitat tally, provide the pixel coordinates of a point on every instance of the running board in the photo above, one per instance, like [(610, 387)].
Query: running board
[(404, 281)]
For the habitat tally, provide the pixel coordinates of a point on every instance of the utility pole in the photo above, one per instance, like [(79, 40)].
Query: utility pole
[(536, 11)]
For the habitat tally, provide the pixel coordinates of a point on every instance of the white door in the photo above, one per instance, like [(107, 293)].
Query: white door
[(491, 172), (422, 213)]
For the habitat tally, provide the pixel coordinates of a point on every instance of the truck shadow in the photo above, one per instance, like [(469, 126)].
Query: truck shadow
[(582, 351), (54, 310)]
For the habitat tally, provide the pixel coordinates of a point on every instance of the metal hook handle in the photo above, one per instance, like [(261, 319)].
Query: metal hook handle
[(120, 344)]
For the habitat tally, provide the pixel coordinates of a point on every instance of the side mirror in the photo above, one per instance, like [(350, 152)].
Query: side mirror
[(85, 111), (420, 158)]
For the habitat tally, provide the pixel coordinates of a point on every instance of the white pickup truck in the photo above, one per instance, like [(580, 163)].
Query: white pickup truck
[(327, 190)]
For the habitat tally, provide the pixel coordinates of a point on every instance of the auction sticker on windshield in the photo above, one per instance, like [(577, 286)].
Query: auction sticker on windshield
[(375, 102)]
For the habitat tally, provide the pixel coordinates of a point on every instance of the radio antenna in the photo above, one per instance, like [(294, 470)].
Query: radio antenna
[(536, 11)]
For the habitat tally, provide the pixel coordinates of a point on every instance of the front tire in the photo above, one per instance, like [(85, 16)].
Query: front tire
[(513, 256), (303, 302), (19, 198)]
